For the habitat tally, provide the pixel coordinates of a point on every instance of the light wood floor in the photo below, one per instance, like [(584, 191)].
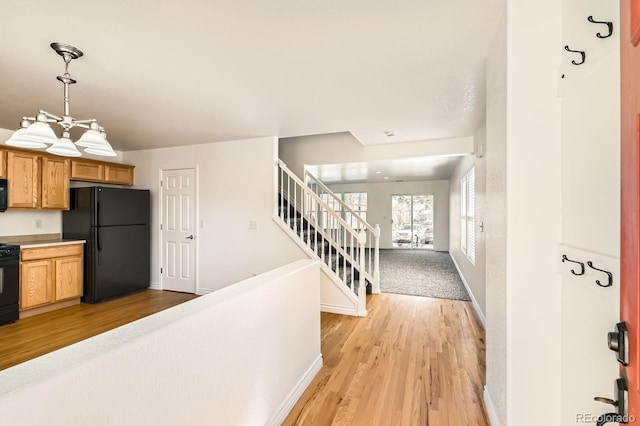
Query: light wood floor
[(411, 361), (31, 337)]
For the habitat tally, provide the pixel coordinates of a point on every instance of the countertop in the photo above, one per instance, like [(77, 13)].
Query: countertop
[(47, 243)]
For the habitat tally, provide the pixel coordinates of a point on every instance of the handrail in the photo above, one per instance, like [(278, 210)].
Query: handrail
[(376, 232), (349, 249), (317, 197)]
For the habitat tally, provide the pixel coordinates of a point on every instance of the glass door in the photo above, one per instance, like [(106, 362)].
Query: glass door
[(412, 225)]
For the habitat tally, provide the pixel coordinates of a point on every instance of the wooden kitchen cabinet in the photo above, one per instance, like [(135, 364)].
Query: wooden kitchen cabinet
[(36, 287), (90, 171), (68, 277), (55, 183), (118, 173), (3, 164), (23, 176), (51, 278)]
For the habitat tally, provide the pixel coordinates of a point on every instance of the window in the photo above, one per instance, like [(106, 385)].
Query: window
[(467, 215), (357, 201)]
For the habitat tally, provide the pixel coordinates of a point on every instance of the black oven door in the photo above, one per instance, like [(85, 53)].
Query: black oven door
[(3, 195), (9, 289)]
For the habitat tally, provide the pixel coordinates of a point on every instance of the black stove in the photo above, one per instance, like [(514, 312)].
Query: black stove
[(9, 282)]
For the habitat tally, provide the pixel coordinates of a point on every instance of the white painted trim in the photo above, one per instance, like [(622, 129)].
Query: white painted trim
[(491, 410), (342, 310), (155, 286), (290, 401), (476, 306)]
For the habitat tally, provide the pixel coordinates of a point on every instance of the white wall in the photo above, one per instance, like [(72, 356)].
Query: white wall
[(473, 274), (335, 148), (590, 206), (495, 229), (379, 206), (533, 213), (240, 356), (235, 186)]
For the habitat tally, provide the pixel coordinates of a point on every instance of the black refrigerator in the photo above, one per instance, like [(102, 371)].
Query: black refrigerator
[(115, 224)]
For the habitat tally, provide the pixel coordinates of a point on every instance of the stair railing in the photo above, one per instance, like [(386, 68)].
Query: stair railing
[(372, 246), (325, 232)]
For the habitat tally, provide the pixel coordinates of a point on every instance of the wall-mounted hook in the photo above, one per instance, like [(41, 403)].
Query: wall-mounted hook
[(609, 274), (581, 52), (608, 24), (566, 259)]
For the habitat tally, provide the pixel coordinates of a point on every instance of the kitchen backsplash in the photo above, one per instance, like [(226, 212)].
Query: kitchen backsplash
[(30, 222)]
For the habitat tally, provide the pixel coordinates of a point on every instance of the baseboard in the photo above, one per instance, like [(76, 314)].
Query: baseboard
[(476, 306), (342, 310), (491, 410), (290, 401), (154, 286)]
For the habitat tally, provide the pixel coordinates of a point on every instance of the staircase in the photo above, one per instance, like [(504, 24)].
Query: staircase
[(346, 244)]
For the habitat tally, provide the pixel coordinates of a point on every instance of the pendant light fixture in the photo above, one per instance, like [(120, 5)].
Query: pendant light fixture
[(36, 132)]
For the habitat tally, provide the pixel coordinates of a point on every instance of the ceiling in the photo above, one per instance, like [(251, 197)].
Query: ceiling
[(392, 170), (168, 73)]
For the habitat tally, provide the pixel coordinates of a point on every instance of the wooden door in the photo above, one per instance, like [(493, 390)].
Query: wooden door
[(23, 176), (630, 195), (55, 183), (178, 230)]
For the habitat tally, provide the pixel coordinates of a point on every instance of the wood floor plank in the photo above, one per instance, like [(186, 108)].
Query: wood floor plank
[(31, 337), (411, 361)]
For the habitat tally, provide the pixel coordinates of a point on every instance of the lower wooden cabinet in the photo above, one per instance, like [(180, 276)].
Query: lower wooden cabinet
[(68, 277), (49, 275), (36, 287)]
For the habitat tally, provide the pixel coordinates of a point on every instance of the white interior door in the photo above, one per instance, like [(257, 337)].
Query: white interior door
[(178, 230)]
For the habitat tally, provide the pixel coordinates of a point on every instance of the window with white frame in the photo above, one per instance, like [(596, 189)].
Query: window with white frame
[(467, 215), (357, 201)]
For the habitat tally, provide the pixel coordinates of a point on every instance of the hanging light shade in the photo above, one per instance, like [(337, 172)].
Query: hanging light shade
[(37, 132), (107, 152), (64, 147), (19, 139)]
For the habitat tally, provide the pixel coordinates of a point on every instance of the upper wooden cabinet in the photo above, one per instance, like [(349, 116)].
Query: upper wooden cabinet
[(100, 171), (87, 171), (3, 164), (23, 179), (40, 180), (118, 173), (55, 183)]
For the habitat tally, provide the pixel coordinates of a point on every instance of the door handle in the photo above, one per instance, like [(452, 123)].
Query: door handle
[(621, 415), (190, 237), (618, 341)]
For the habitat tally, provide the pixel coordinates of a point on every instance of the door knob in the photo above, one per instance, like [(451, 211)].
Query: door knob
[(190, 237), (618, 342)]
